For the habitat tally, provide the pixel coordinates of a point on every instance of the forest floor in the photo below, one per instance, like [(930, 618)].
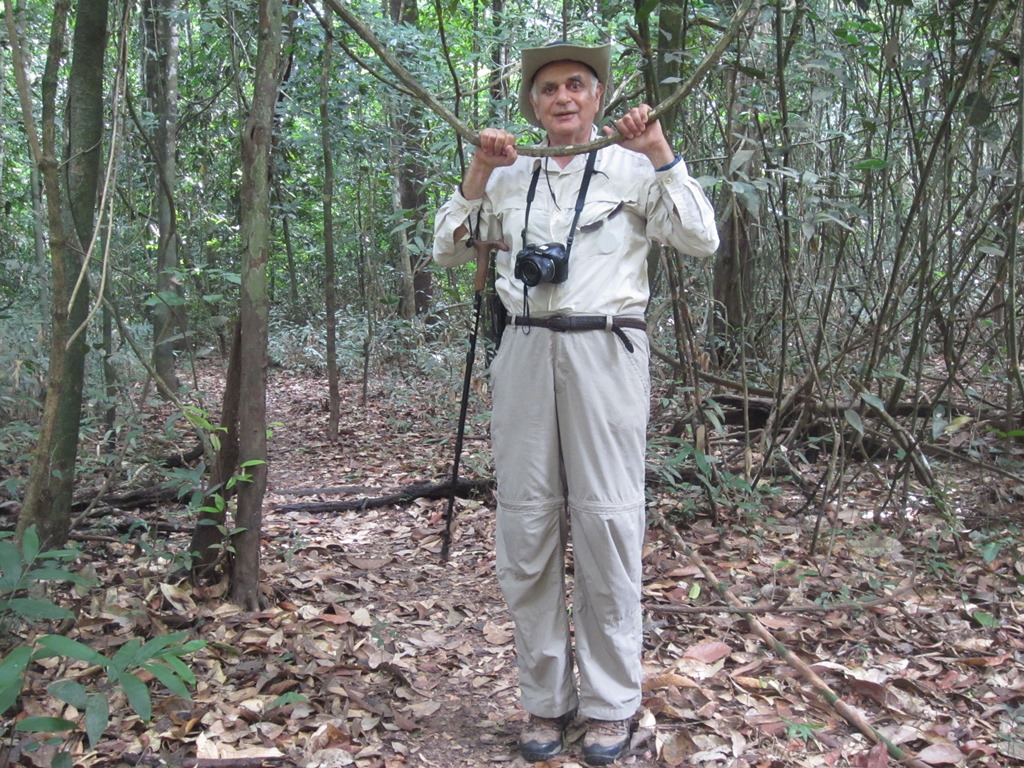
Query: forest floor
[(372, 652)]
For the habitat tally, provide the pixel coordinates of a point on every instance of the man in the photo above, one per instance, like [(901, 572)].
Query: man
[(570, 383)]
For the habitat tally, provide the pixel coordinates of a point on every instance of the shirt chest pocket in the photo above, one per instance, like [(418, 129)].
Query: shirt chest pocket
[(510, 225), (602, 228)]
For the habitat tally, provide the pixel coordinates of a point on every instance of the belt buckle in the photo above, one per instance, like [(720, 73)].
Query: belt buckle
[(559, 323)]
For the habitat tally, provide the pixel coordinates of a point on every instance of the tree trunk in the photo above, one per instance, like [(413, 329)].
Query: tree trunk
[(410, 197), (733, 274), (498, 85), (663, 60), (407, 286), (255, 236), (209, 535), (732, 282), (3, 148), (71, 207), (109, 379), (39, 239), (330, 289), (296, 311), (161, 72)]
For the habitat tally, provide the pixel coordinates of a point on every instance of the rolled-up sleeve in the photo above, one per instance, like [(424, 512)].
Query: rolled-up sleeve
[(457, 212), (681, 214)]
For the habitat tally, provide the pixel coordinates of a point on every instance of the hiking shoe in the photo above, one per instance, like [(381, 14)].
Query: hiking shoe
[(542, 737), (605, 741)]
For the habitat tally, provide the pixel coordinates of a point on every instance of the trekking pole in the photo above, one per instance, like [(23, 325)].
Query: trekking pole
[(483, 250)]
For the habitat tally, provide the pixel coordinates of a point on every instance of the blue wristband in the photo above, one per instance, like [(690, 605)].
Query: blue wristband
[(668, 165)]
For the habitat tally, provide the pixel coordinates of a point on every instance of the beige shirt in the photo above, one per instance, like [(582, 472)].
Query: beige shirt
[(628, 205)]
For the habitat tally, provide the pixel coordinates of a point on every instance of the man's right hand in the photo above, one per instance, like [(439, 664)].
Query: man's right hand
[(497, 148)]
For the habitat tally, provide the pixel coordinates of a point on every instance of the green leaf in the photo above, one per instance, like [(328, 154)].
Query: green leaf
[(701, 460), (160, 646), (30, 544), (64, 555), (285, 699), (10, 566), (127, 655), (97, 716), (170, 680), (644, 10), (70, 692), (873, 400), (854, 420), (990, 552), (38, 608), (57, 574), (58, 645), (740, 158), (9, 695), (985, 619), (138, 695), (198, 419), (193, 645), (12, 668), (182, 650), (14, 664), (62, 760), (871, 164), (978, 108), (44, 725), (181, 669)]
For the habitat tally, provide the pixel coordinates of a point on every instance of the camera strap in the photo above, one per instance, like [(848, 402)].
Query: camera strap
[(580, 200), (530, 194), (584, 185)]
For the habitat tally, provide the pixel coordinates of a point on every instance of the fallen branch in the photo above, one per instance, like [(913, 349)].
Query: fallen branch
[(463, 488), (121, 522), (133, 499), (184, 458), (205, 762), (331, 490)]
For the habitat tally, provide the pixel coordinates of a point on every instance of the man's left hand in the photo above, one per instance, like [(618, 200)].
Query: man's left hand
[(643, 135)]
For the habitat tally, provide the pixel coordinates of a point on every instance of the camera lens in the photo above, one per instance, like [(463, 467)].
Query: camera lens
[(534, 270)]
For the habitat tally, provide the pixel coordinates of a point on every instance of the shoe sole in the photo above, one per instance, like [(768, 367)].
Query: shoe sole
[(605, 758), (539, 756)]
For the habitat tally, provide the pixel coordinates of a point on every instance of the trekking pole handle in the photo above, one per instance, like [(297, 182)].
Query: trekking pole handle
[(483, 263), (484, 248)]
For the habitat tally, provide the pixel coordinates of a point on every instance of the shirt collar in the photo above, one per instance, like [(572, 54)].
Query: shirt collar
[(576, 160)]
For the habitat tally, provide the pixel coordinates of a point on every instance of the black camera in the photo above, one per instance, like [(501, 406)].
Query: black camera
[(536, 264)]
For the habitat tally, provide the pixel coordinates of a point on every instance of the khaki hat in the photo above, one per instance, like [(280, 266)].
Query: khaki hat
[(597, 58)]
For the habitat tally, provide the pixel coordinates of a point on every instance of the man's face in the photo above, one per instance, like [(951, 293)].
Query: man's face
[(566, 97)]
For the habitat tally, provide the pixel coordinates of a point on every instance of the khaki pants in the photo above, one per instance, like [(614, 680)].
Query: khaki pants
[(569, 430)]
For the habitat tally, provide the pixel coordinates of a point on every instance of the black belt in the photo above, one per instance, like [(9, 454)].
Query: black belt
[(564, 323)]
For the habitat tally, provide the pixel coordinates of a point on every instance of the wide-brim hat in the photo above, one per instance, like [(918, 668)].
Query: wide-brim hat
[(597, 58)]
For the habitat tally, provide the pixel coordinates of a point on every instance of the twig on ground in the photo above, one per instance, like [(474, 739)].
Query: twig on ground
[(776, 606), (463, 488), (848, 713)]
